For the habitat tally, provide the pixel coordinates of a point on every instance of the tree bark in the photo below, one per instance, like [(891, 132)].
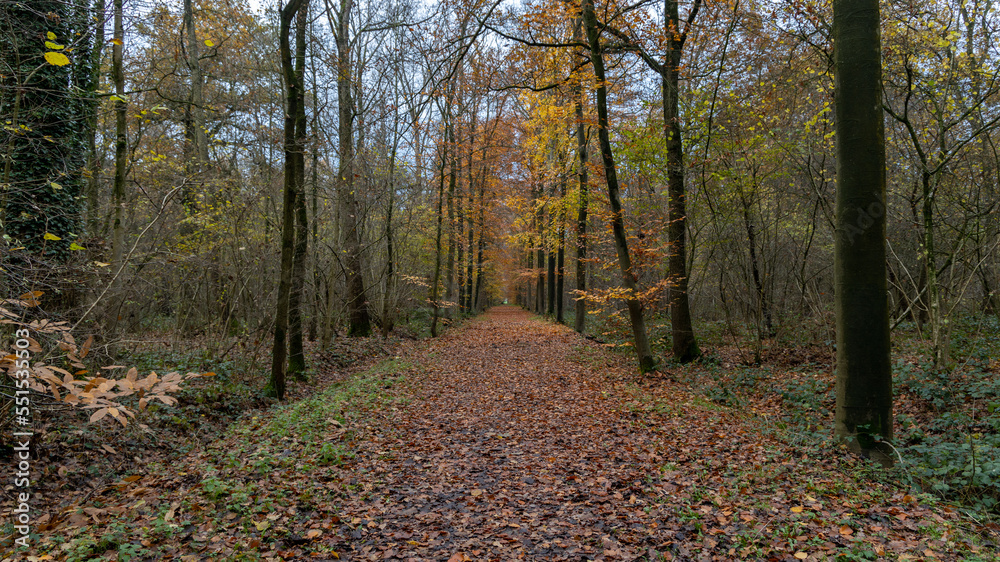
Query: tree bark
[(539, 254), (121, 163), (561, 251), (296, 354), (357, 302), (95, 164), (864, 376), (642, 348), (580, 321), (276, 385), (436, 281), (684, 345)]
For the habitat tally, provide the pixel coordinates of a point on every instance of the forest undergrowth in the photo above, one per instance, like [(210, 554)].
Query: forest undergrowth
[(506, 438)]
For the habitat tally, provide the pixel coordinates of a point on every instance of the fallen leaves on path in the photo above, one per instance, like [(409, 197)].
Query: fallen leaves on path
[(511, 439), (523, 442)]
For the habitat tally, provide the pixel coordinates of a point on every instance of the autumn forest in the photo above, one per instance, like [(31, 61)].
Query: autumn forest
[(487, 280)]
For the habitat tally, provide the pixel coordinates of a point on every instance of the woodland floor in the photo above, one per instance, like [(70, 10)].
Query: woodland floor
[(510, 438)]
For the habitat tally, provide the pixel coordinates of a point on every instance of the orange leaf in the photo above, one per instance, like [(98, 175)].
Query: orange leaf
[(797, 509)]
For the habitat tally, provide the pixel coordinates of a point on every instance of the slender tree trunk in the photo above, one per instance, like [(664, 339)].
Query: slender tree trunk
[(642, 348), (550, 281), (276, 385), (449, 291), (529, 302), (459, 227), (580, 321), (561, 251), (357, 302), (196, 151), (121, 163), (480, 247), (314, 191), (685, 347), (95, 165), (864, 375), (763, 305), (939, 330), (296, 354), (469, 300), (388, 319), (436, 281), (540, 255)]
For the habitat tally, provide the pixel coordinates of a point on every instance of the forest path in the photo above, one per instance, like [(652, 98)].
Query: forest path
[(519, 439), (509, 449), (506, 438)]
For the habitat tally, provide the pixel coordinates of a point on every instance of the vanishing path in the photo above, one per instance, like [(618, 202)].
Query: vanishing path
[(510, 439), (509, 449), (522, 440)]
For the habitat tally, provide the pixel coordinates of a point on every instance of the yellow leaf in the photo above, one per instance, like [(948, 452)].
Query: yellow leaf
[(116, 41), (56, 59), (209, 43), (54, 46), (55, 185), (75, 246), (51, 36), (263, 525), (50, 236), (801, 555), (797, 509), (101, 264)]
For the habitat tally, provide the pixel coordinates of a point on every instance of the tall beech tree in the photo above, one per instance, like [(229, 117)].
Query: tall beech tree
[(864, 373), (296, 354), (635, 310), (580, 320), (276, 385), (684, 345), (357, 301)]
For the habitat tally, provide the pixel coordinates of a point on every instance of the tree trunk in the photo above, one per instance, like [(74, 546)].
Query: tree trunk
[(121, 163), (469, 300), (580, 321), (296, 355), (550, 282), (642, 348), (539, 255), (276, 386), (357, 302), (436, 281), (864, 376), (561, 251), (197, 139), (685, 347), (95, 165), (449, 291), (480, 247)]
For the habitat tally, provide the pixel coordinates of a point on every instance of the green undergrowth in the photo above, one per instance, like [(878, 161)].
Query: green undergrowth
[(947, 430), (947, 426), (254, 487)]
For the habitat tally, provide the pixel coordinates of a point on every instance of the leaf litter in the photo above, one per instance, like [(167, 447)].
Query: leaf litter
[(511, 438)]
